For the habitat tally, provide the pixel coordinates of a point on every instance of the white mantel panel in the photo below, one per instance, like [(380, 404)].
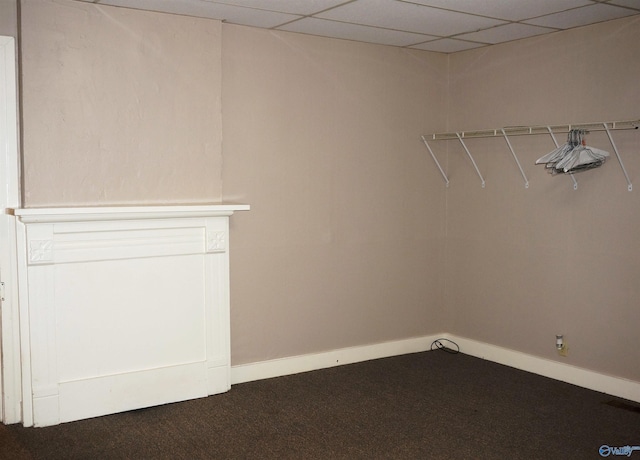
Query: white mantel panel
[(125, 315), (126, 310)]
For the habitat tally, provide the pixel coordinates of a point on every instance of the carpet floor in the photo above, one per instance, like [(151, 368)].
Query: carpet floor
[(431, 405)]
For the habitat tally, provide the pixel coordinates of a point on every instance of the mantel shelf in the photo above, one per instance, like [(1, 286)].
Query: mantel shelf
[(104, 213)]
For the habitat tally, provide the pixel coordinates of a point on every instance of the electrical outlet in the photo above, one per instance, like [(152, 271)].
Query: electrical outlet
[(561, 345), (564, 351)]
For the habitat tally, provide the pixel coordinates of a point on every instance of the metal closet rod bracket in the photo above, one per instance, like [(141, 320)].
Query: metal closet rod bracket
[(507, 131), (471, 158)]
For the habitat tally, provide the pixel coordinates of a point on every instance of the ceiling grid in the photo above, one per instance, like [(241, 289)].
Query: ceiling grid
[(444, 26)]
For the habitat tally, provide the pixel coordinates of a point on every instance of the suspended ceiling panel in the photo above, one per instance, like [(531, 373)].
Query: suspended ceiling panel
[(435, 25)]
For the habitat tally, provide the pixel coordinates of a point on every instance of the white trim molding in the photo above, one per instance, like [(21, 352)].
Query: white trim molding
[(10, 383), (585, 378)]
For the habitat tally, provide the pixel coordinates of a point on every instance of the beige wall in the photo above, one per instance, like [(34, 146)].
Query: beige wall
[(352, 238), (9, 18), (119, 106), (525, 264), (344, 243)]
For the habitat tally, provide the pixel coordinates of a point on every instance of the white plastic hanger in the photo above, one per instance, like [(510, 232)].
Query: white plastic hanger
[(574, 156)]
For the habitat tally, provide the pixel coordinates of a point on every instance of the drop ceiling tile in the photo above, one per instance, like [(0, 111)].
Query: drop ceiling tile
[(347, 31), (302, 7), (447, 45), (582, 16), (408, 17), (205, 9), (188, 7), (508, 32), (628, 3), (513, 10)]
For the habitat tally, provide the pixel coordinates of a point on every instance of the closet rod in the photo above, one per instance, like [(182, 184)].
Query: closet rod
[(528, 130)]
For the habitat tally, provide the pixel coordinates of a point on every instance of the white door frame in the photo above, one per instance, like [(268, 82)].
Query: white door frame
[(10, 369)]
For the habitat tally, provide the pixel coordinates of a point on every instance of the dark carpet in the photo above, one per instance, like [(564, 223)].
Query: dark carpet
[(432, 405)]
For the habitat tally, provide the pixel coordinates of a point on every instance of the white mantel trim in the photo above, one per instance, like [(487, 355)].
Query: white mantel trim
[(10, 385), (105, 213)]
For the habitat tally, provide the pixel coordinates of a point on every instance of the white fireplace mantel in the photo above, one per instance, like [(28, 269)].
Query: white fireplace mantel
[(122, 307)]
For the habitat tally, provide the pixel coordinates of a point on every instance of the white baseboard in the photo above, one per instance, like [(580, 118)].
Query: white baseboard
[(585, 378), (304, 363)]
